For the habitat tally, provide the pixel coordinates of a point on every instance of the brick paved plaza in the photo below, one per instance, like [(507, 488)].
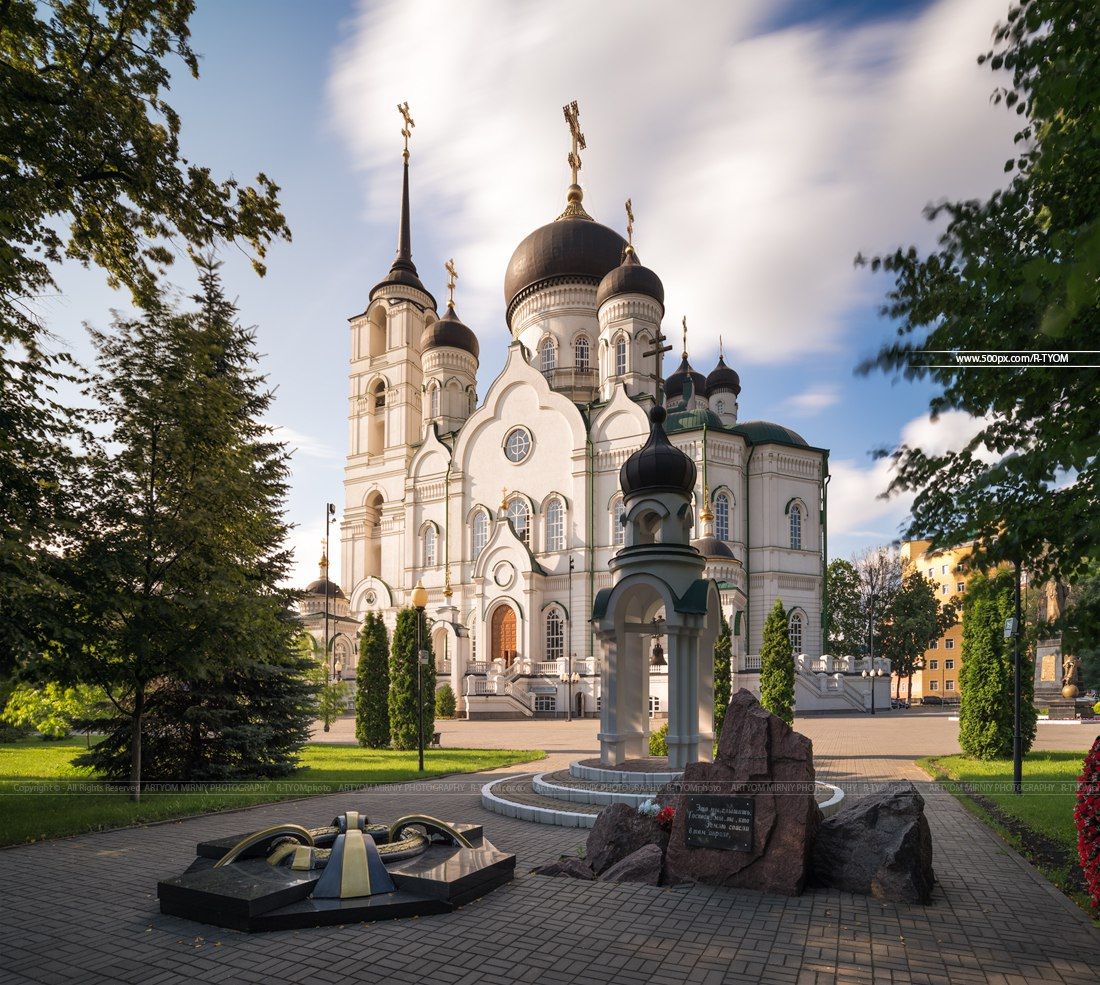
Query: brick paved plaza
[(84, 909)]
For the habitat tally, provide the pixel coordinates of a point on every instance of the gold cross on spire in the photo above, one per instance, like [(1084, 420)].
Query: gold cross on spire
[(658, 351), (406, 130), (573, 118), (452, 276), (721, 351), (629, 223), (685, 324)]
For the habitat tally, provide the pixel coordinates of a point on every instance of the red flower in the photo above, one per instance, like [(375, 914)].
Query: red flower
[(665, 817), (1087, 816)]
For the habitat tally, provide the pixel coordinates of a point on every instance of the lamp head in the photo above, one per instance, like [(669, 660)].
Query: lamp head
[(419, 595)]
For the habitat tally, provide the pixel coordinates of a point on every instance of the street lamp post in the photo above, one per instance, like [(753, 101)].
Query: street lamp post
[(330, 512), (569, 679), (1017, 739), (419, 601)]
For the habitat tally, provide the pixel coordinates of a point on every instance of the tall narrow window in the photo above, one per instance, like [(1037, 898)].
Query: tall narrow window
[(555, 525), (581, 353), (555, 635), (722, 516), (429, 547), (435, 401), (481, 532), (620, 356), (618, 532), (796, 527), (548, 355), (721, 408), (794, 628), (520, 516)]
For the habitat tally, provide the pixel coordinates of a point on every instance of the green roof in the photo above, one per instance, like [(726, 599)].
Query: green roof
[(759, 432), (692, 420)]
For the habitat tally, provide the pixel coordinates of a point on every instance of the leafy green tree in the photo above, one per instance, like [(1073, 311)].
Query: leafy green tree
[(777, 665), (1020, 271), (91, 171), (986, 676), (51, 710), (403, 683), (913, 619), (445, 702), (177, 576), (847, 627), (372, 683), (723, 666), (1080, 625)]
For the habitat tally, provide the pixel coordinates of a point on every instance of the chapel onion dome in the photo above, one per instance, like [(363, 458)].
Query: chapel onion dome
[(630, 277), (712, 547), (723, 378), (318, 588), (574, 247), (674, 385), (658, 466), (449, 332)]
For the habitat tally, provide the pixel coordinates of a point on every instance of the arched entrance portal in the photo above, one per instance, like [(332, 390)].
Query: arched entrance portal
[(504, 635)]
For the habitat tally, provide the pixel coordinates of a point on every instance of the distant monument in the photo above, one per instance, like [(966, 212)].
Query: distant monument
[(1055, 670)]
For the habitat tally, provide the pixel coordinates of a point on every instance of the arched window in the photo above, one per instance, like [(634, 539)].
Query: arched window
[(581, 352), (796, 527), (722, 516), (429, 546), (520, 516), (481, 532), (555, 635), (548, 355), (618, 531), (721, 408), (794, 630), (555, 525), (620, 356), (473, 399), (435, 401)]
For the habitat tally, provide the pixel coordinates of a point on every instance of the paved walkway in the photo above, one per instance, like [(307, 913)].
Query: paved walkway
[(83, 910)]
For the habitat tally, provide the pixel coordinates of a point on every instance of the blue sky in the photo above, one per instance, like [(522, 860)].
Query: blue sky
[(763, 145)]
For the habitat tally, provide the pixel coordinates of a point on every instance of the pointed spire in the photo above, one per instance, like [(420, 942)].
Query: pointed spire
[(324, 562), (685, 324)]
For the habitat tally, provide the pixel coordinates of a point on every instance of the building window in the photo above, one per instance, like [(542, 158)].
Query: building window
[(721, 408), (949, 686), (555, 525), (517, 446), (581, 353), (429, 547), (520, 517), (960, 586), (620, 356), (949, 644), (933, 665), (548, 355), (796, 527), (618, 531), (794, 630), (546, 702), (935, 645), (933, 685), (943, 569), (944, 588), (380, 397), (949, 665), (555, 635), (435, 401), (654, 706), (481, 532), (722, 516)]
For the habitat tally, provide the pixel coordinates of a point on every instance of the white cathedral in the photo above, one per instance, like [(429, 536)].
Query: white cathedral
[(509, 510)]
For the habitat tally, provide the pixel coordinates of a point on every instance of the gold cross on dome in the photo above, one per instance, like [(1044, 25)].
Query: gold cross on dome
[(573, 118), (685, 324), (452, 277), (406, 130), (658, 351), (629, 223)]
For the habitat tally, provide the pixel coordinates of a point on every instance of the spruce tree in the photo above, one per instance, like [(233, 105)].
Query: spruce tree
[(182, 555), (986, 675), (777, 665), (403, 683), (445, 702), (723, 658), (372, 682)]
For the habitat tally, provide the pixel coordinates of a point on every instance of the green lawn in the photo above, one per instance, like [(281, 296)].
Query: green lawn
[(42, 795)]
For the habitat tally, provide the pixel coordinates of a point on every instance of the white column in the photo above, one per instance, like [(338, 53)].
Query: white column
[(683, 698)]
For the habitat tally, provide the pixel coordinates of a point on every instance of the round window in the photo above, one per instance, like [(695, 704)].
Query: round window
[(517, 446)]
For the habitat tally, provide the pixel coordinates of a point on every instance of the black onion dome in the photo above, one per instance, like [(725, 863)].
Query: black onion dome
[(630, 277), (712, 547), (318, 588), (723, 378), (674, 385), (570, 247), (658, 466), (449, 332)]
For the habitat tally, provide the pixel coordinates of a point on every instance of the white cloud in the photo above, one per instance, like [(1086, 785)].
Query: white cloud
[(306, 543), (814, 400), (302, 444), (759, 163)]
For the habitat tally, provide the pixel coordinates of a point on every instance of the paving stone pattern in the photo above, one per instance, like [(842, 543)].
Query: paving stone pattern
[(83, 910)]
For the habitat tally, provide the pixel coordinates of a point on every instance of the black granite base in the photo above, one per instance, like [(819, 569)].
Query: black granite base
[(251, 895)]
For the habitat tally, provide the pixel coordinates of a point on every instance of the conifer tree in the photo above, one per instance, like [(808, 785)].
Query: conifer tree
[(403, 683), (445, 702), (723, 655), (372, 682), (777, 665), (986, 676)]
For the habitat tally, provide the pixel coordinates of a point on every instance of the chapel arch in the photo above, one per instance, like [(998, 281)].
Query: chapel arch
[(377, 343), (503, 627)]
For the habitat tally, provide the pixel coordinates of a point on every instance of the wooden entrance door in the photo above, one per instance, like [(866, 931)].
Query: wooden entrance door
[(504, 635)]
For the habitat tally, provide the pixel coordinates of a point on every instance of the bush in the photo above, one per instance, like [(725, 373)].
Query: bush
[(445, 702), (777, 665), (52, 709), (658, 741), (1096, 708), (723, 659), (1087, 817)]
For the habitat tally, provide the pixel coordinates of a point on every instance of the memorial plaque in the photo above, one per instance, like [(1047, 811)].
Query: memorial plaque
[(719, 822), (1049, 669)]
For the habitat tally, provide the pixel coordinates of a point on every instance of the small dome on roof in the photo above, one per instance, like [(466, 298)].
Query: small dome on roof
[(450, 333), (674, 385), (759, 432), (318, 588), (658, 466), (712, 547), (630, 277), (723, 378)]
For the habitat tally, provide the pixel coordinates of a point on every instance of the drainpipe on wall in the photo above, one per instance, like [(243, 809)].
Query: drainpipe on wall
[(590, 559)]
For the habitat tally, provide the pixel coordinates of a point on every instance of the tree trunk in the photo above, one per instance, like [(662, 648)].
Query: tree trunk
[(909, 690), (135, 745)]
